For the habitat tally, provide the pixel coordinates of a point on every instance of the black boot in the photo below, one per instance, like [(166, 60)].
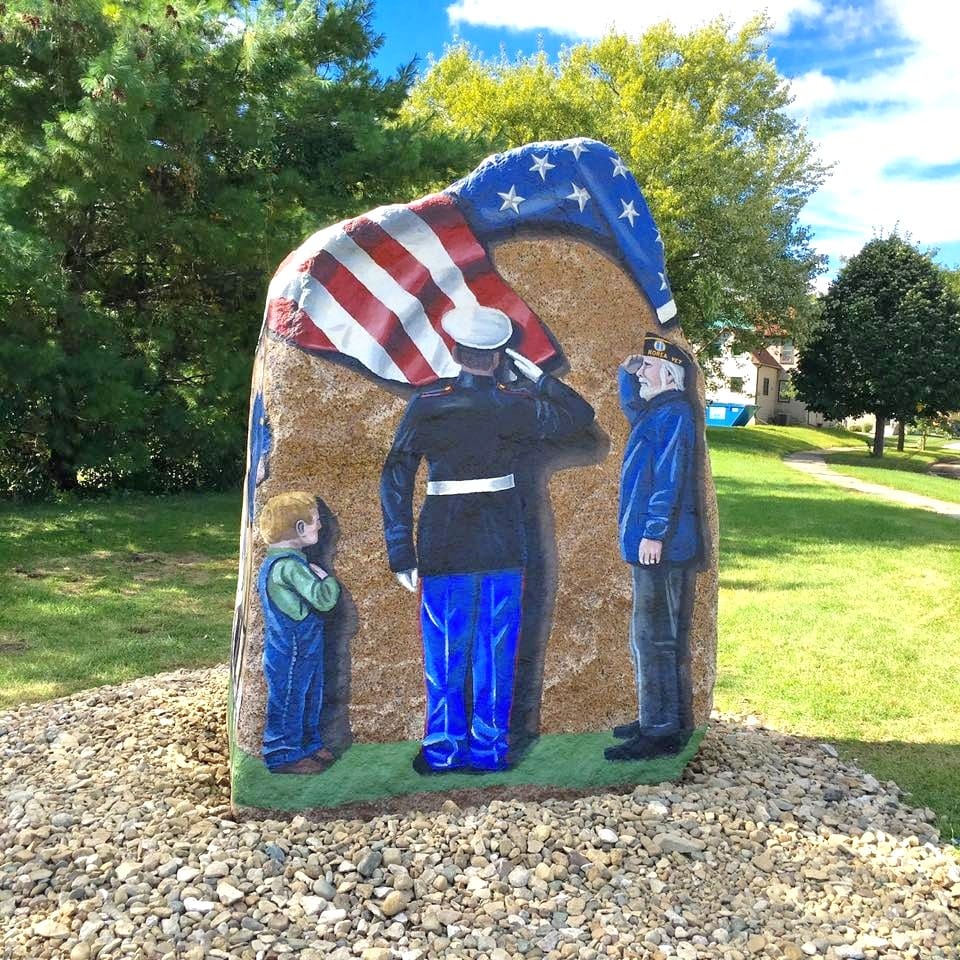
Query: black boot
[(627, 731), (421, 766), (644, 747)]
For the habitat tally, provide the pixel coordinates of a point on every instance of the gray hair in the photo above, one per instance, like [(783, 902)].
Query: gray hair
[(678, 373)]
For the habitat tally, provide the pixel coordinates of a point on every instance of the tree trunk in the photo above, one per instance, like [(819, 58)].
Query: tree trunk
[(878, 436), (901, 435), (62, 473)]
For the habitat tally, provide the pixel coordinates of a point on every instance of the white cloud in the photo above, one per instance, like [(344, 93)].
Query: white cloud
[(233, 26), (584, 21), (882, 130), (822, 283), (812, 90), (875, 129), (846, 24)]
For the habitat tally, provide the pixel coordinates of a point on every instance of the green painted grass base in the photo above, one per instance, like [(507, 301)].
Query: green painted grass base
[(376, 771)]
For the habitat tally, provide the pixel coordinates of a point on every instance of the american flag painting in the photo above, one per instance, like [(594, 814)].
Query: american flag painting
[(374, 289)]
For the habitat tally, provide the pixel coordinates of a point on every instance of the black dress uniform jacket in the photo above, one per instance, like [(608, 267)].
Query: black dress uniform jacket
[(469, 429)]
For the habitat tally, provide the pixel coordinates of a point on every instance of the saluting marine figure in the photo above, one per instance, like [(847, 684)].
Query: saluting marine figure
[(659, 538), (470, 550)]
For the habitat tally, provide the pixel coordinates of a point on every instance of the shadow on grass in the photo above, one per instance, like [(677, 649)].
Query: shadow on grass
[(72, 629), (728, 582), (205, 523), (102, 591), (756, 520), (776, 441), (926, 474), (912, 462), (40, 671)]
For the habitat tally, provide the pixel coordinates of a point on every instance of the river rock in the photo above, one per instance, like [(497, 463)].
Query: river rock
[(679, 843), (393, 903), (891, 881), (51, 929)]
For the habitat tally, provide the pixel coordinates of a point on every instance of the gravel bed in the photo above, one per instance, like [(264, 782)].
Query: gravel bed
[(119, 841)]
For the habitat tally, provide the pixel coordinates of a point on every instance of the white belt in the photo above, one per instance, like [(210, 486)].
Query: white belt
[(446, 488)]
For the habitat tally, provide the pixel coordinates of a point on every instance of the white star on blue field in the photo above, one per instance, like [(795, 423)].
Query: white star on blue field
[(874, 82), (578, 185)]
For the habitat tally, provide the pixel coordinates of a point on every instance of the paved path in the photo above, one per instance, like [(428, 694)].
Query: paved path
[(812, 462), (947, 468)]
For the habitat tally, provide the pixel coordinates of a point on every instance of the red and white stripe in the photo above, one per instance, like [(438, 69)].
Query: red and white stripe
[(375, 288)]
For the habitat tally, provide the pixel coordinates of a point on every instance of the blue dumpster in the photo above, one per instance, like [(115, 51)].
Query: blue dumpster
[(729, 414)]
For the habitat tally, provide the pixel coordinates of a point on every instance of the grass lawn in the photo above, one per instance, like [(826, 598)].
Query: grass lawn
[(838, 613), (903, 471), (102, 591)]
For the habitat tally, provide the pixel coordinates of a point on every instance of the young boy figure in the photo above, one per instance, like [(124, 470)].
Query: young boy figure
[(295, 594)]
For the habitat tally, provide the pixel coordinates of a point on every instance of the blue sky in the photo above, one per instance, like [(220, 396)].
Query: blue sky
[(876, 82)]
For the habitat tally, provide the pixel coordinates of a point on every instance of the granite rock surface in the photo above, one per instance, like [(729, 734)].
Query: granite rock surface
[(332, 429)]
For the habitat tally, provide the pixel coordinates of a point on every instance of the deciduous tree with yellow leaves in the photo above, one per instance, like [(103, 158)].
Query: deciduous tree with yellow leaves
[(702, 120)]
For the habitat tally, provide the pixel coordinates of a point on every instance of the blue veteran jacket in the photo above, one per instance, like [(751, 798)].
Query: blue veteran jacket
[(468, 429), (658, 482)]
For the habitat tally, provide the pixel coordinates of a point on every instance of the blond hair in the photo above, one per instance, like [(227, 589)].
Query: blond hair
[(280, 514)]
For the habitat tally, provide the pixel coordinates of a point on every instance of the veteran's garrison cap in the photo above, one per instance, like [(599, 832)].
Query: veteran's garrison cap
[(654, 346)]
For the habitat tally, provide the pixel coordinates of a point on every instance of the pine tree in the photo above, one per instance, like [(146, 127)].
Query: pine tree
[(157, 160)]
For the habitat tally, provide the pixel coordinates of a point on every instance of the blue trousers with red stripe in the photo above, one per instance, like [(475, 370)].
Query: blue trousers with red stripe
[(469, 620)]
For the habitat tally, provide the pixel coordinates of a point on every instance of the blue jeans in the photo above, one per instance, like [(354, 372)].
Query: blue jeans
[(469, 619)]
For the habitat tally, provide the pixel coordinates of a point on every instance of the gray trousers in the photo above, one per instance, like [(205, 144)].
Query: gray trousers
[(659, 625)]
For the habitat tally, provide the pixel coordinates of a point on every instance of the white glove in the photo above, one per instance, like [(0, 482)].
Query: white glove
[(527, 367), (408, 579)]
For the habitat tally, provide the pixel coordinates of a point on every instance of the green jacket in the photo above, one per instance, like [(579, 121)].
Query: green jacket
[(295, 588)]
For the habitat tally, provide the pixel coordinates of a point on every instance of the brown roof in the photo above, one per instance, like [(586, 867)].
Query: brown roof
[(764, 358)]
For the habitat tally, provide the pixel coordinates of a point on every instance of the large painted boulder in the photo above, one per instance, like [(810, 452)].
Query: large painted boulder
[(478, 549)]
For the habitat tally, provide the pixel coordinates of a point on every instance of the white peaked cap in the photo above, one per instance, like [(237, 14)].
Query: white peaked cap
[(483, 328)]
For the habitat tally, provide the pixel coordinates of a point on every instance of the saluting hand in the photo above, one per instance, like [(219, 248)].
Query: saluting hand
[(408, 579), (527, 367)]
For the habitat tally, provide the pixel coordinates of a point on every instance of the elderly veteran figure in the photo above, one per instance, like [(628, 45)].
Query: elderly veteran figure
[(659, 538), (470, 550)]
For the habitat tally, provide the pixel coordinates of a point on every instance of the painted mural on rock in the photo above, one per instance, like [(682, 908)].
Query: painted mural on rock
[(660, 538), (435, 400)]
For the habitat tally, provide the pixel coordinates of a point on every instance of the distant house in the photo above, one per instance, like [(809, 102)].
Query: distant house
[(762, 379)]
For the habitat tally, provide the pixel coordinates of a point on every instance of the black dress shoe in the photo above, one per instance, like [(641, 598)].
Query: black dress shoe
[(421, 766), (627, 731), (644, 747)]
